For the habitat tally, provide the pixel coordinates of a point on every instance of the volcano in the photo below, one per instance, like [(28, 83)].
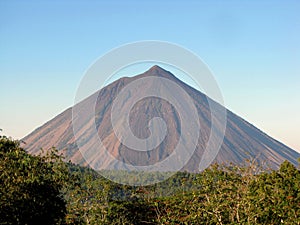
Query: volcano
[(241, 140)]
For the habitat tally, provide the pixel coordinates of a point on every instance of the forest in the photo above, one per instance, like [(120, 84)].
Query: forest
[(44, 189)]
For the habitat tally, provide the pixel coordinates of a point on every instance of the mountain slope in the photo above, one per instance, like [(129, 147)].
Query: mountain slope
[(242, 140)]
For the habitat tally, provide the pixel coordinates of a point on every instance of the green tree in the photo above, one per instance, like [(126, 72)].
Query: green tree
[(31, 186), (276, 196)]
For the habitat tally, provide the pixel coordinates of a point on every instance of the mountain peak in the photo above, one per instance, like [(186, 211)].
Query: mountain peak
[(157, 68), (158, 71), (242, 140)]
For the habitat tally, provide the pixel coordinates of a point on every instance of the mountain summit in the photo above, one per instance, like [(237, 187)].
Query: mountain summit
[(242, 140), (156, 69), (159, 72)]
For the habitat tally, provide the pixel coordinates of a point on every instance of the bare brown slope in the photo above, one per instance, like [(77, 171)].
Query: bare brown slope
[(242, 140)]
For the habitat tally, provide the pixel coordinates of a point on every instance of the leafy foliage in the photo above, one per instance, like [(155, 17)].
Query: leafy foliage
[(31, 186), (276, 196), (45, 190)]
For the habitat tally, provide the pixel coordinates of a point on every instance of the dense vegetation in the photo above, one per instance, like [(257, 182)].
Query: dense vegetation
[(45, 190)]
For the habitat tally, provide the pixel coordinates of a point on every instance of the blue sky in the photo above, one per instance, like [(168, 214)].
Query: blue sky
[(252, 47)]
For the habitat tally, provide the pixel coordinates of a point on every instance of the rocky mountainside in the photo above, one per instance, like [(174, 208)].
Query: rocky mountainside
[(241, 141)]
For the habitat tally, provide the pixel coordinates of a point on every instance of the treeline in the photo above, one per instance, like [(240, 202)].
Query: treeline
[(45, 190)]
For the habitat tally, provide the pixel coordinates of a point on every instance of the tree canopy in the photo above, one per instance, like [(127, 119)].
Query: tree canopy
[(45, 190)]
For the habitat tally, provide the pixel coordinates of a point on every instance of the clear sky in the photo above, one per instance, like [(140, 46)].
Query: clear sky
[(253, 48)]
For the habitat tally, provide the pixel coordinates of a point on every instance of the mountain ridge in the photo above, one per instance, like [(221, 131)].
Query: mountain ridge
[(241, 140)]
